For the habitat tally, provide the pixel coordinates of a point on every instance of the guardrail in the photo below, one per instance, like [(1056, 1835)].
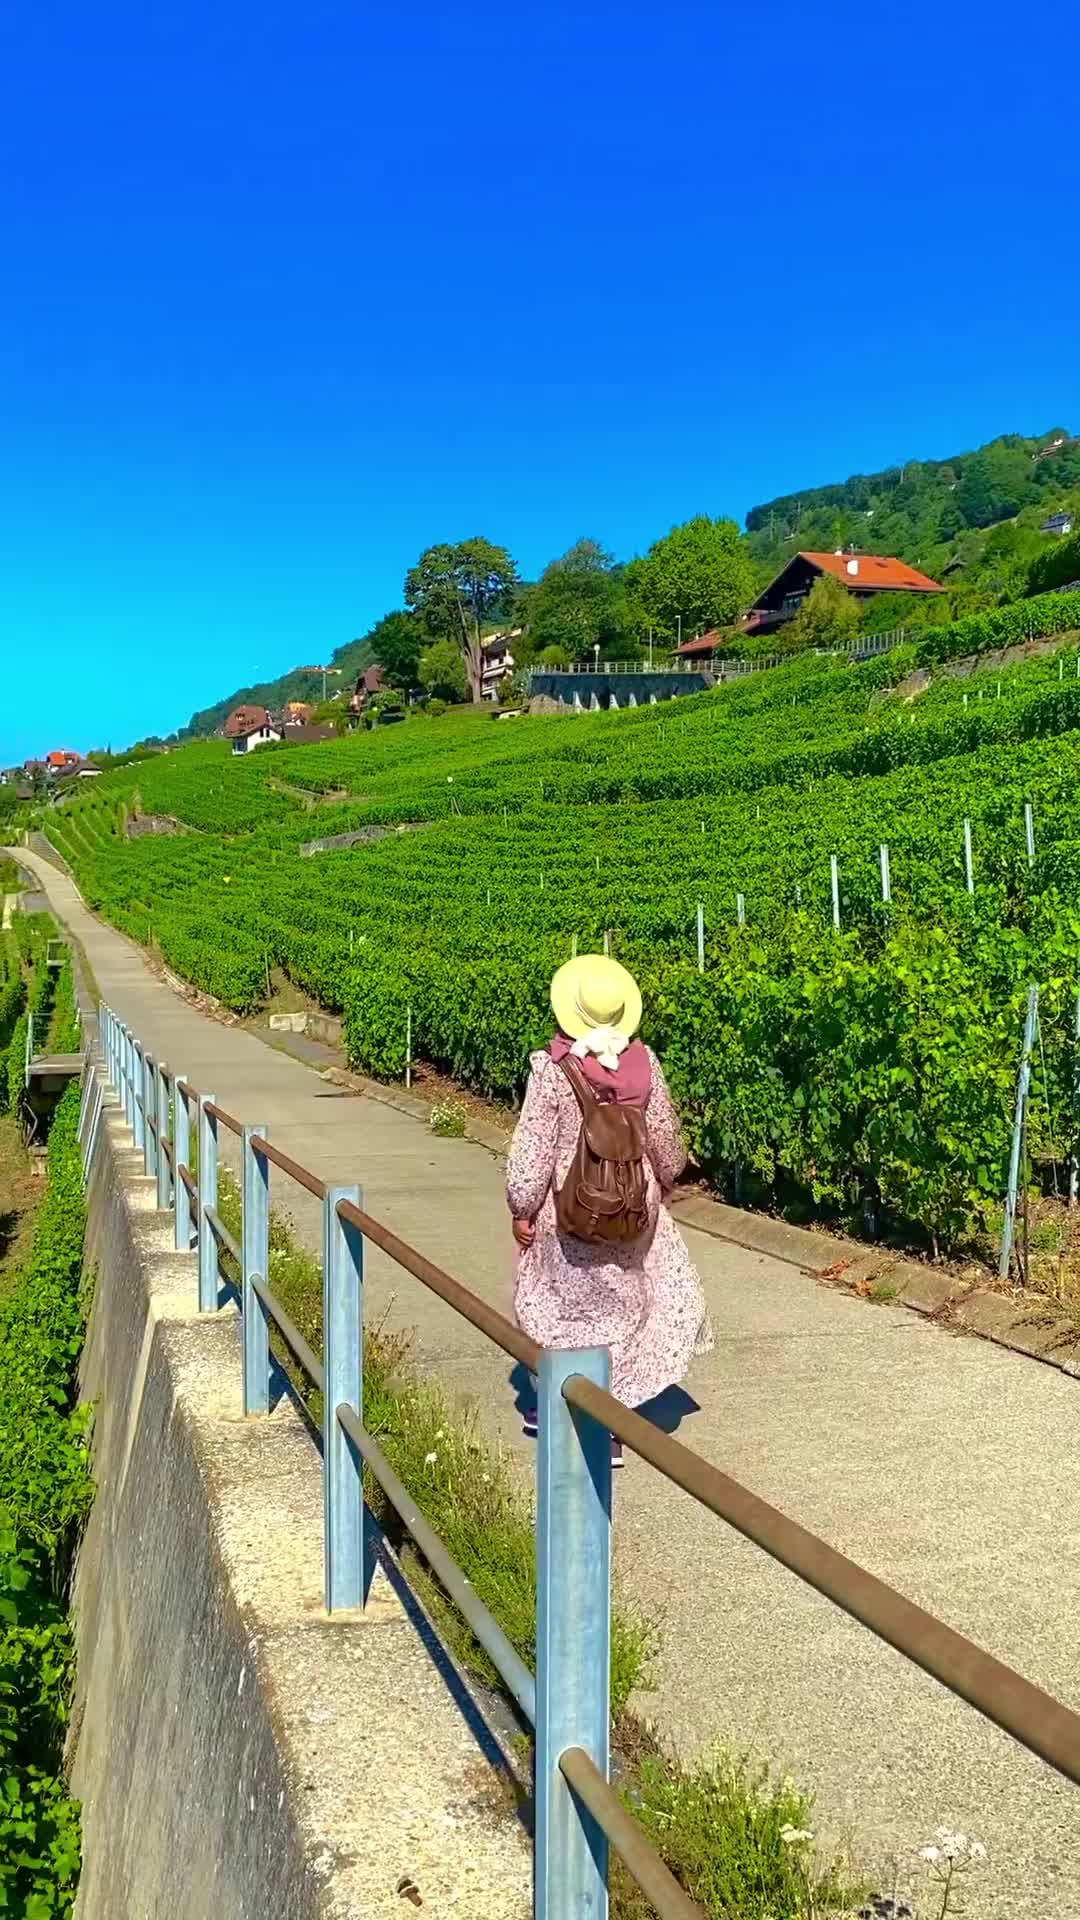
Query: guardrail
[(727, 668), (578, 1813)]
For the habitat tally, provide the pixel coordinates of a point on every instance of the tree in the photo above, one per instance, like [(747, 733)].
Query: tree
[(331, 713), (699, 575), (455, 590), (581, 601), (828, 617), (442, 671), (397, 641)]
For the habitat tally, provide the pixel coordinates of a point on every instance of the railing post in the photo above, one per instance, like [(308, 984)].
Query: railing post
[(343, 1362), (98, 1101), (573, 1634), (149, 1116), (208, 1197), (128, 1047), (164, 1172), (181, 1158), (138, 1086), (256, 1262)]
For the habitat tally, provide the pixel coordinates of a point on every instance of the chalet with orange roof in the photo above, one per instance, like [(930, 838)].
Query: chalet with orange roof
[(863, 574)]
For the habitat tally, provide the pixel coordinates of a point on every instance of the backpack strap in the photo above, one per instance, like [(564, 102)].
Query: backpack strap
[(575, 1073)]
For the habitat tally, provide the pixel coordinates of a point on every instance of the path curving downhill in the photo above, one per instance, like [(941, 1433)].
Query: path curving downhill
[(948, 1466)]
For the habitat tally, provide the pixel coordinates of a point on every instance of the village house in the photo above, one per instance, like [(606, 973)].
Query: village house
[(80, 770), (251, 727), (300, 733), (1061, 523), (863, 574), (369, 682), (497, 662)]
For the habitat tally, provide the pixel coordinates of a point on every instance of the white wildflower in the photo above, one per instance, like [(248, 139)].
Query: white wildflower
[(486, 1478), (795, 1836), (430, 1459), (930, 1854), (439, 1435)]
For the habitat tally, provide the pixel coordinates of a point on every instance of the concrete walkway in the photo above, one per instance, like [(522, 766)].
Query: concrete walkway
[(948, 1466)]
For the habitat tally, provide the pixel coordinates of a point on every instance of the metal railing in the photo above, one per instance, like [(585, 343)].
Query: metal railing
[(578, 1812), (866, 648)]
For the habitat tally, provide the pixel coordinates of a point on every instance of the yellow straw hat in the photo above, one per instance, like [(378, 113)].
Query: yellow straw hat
[(593, 990)]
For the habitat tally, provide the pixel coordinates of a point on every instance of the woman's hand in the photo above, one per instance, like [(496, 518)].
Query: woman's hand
[(524, 1233)]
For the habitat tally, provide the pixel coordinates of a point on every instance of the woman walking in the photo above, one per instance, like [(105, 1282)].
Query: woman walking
[(602, 1263)]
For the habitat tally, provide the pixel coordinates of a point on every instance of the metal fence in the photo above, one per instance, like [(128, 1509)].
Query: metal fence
[(866, 648), (578, 1814)]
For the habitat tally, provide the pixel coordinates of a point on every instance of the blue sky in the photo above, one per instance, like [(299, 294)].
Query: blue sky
[(291, 292)]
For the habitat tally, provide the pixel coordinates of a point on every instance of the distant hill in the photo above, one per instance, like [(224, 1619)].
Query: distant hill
[(934, 513), (300, 683)]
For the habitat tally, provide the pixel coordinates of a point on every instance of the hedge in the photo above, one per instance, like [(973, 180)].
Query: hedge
[(1046, 614), (45, 1494)]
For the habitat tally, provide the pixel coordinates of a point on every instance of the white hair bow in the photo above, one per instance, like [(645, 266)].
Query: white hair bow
[(605, 1042)]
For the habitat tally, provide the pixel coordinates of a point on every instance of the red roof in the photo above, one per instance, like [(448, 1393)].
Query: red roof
[(705, 643), (64, 759), (872, 570), (245, 720)]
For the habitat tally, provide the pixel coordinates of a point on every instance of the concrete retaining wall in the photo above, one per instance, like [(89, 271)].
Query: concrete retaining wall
[(609, 689), (238, 1752)]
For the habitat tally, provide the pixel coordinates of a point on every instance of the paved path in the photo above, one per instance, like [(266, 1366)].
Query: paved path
[(948, 1466)]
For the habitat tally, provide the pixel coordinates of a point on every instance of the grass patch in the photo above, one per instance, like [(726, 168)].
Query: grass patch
[(448, 1119), (736, 1837), (739, 1840)]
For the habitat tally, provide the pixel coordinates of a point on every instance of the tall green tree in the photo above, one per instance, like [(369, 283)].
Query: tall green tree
[(397, 641), (829, 617), (442, 671), (457, 590), (581, 601), (698, 576)]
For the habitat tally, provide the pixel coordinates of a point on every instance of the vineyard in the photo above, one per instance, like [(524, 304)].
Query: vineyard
[(818, 1064)]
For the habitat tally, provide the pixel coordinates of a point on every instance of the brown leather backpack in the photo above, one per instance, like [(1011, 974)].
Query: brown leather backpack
[(605, 1196)]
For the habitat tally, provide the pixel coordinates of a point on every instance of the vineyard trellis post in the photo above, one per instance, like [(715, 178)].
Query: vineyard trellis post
[(969, 871), (1029, 831), (886, 880), (834, 874), (740, 909), (1022, 1083), (408, 1047), (700, 937)]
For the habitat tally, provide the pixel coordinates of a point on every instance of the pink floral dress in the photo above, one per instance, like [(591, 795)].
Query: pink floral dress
[(644, 1302)]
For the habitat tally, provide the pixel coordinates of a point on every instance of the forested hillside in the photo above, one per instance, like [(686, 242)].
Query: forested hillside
[(300, 683), (937, 514)]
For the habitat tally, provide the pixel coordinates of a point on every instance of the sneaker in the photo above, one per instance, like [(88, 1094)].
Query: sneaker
[(531, 1423), (616, 1453)]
